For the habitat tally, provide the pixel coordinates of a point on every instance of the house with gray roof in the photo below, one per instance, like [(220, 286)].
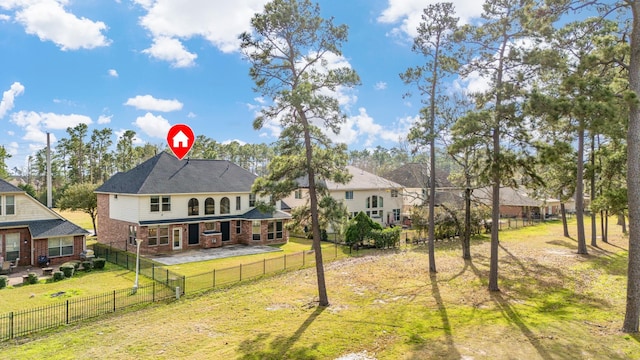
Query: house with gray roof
[(174, 205), (379, 198), (29, 231)]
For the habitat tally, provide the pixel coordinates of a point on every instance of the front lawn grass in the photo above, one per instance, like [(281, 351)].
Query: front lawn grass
[(81, 284), (553, 304)]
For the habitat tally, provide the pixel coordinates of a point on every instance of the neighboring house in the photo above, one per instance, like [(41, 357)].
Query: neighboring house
[(30, 230), (377, 197), (414, 178), (513, 202), (175, 205)]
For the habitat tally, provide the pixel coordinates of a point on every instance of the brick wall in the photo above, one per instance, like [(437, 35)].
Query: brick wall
[(111, 232)]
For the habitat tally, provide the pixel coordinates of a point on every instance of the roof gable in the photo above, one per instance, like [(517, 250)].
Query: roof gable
[(7, 187), (166, 174)]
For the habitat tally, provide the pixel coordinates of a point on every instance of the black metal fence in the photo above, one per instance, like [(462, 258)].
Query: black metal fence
[(148, 268), (224, 277), (20, 323)]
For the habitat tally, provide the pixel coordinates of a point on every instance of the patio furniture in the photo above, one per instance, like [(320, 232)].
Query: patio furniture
[(14, 264), (47, 271), (43, 260), (87, 255), (6, 267)]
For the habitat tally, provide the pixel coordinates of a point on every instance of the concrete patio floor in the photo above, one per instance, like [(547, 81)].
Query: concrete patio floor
[(195, 255), (15, 277)]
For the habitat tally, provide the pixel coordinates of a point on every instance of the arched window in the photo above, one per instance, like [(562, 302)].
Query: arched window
[(225, 207), (194, 209), (209, 206)]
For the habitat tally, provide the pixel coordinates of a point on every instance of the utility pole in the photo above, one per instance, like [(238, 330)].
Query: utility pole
[(49, 190)]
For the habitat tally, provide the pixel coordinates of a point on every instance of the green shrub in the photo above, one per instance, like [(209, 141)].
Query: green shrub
[(4, 281), (58, 275), (87, 265), (98, 263), (67, 269), (32, 278), (76, 264)]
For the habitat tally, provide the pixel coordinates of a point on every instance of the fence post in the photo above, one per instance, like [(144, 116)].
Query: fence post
[(114, 301), (11, 325), (153, 272), (264, 266), (127, 261), (153, 290), (67, 312), (167, 277), (184, 285)]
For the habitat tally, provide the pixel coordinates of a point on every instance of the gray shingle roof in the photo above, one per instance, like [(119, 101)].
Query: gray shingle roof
[(47, 228), (360, 180), (416, 175), (7, 187), (166, 174), (508, 197)]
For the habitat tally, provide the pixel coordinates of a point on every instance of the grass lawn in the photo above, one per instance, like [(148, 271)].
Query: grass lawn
[(295, 245), (80, 285), (553, 304)]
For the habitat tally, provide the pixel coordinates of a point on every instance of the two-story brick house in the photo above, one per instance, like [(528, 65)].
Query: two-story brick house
[(175, 205), (30, 230)]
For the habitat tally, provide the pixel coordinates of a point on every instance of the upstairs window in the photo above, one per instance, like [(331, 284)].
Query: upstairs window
[(348, 195), (238, 203), (225, 206), (160, 202), (297, 194), (252, 200), (10, 205), (209, 206), (194, 208), (374, 202), (394, 193)]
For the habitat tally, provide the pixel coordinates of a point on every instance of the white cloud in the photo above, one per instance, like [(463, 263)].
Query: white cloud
[(171, 50), (380, 85), (8, 97), (113, 73), (35, 124), (50, 21), (191, 115), (148, 102), (218, 22), (104, 119), (406, 15), (12, 148), (154, 126), (362, 129), (5, 17)]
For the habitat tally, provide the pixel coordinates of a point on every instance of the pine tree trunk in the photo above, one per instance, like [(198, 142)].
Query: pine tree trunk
[(632, 313), (563, 213), (582, 242)]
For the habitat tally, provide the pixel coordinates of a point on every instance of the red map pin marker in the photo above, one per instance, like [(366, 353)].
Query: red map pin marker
[(180, 139)]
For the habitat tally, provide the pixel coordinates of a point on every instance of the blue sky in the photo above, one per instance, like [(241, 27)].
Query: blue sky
[(145, 65)]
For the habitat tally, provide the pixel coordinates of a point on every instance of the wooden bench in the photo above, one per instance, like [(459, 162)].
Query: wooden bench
[(47, 271)]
